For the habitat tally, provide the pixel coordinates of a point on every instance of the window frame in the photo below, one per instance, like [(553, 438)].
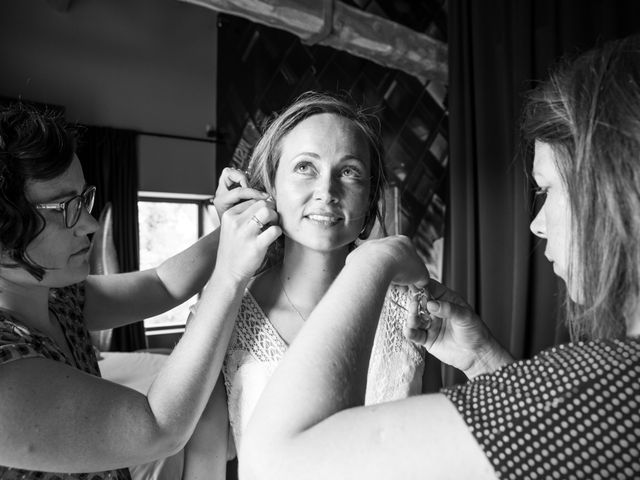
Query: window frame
[(203, 204)]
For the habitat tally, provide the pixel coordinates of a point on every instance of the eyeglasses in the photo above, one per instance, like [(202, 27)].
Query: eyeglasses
[(72, 208)]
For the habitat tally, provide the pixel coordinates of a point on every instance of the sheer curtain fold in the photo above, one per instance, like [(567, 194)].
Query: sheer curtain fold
[(109, 160)]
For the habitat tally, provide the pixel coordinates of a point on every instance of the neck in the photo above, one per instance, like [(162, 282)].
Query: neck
[(29, 304), (306, 274)]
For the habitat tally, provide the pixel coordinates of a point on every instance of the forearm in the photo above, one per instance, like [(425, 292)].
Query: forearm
[(186, 273), (205, 455), (318, 378), (180, 392)]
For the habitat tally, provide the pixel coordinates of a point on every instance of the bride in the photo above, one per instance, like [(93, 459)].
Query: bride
[(321, 162)]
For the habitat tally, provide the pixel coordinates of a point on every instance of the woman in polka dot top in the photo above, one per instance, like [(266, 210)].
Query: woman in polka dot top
[(571, 412)]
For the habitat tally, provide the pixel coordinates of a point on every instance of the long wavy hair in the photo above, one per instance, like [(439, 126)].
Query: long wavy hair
[(266, 154), (34, 146), (589, 112)]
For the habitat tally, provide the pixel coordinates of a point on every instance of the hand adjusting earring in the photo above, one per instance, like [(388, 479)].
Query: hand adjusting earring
[(423, 297), (258, 222)]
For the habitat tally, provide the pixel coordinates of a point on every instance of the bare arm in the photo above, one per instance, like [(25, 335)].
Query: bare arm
[(56, 418), (310, 423), (115, 300), (205, 456), (120, 299)]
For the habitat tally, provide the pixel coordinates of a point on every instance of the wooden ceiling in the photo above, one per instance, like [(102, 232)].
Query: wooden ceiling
[(353, 27)]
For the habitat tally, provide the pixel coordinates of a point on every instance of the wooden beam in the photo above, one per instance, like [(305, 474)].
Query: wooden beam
[(355, 31)]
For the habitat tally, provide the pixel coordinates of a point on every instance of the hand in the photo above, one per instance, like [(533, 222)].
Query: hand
[(246, 232), (453, 333), (395, 253), (233, 188)]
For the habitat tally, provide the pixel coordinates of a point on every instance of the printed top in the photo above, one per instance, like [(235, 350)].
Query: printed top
[(18, 341)]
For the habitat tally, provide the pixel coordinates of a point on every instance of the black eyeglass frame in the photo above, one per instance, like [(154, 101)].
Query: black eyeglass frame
[(87, 199)]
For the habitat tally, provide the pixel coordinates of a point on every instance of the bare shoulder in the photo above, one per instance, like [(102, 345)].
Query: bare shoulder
[(43, 399), (415, 438), (429, 436)]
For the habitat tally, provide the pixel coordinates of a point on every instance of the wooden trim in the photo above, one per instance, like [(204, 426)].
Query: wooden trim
[(354, 31)]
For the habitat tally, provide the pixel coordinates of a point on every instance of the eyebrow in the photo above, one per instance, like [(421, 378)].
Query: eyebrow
[(308, 154), (64, 195)]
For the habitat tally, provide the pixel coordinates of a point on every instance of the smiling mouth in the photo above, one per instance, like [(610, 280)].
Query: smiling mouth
[(324, 219)]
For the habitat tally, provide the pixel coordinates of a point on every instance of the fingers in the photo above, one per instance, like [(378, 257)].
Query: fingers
[(438, 291), (419, 321), (241, 194), (448, 310), (268, 236), (262, 213), (232, 178), (416, 335)]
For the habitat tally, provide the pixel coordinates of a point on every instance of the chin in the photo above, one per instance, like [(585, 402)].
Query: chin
[(572, 291), (323, 242), (60, 279)]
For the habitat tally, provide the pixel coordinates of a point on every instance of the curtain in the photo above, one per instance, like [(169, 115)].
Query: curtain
[(497, 50), (109, 160)]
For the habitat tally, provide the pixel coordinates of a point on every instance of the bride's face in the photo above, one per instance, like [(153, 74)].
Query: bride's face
[(322, 182)]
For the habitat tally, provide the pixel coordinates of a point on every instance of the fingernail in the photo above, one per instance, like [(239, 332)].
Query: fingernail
[(433, 306)]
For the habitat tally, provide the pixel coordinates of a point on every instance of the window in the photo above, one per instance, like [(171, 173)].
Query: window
[(169, 223)]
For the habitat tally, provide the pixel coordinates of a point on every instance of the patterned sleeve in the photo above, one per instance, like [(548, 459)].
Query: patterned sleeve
[(570, 412)]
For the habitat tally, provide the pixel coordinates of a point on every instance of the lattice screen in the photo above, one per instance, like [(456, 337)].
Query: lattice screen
[(261, 70)]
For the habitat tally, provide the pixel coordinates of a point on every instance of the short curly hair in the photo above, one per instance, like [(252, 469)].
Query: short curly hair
[(35, 145)]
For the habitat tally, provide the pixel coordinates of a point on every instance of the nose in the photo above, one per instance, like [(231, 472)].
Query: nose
[(326, 188), (86, 224), (538, 225)]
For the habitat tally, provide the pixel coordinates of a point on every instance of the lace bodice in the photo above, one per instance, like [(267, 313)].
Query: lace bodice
[(255, 349)]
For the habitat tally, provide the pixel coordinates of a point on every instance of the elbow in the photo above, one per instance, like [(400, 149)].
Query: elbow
[(165, 438), (164, 444)]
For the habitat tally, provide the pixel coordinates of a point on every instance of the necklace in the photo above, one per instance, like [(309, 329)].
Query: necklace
[(289, 300)]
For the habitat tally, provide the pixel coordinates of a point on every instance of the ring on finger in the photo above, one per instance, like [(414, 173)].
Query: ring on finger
[(258, 222)]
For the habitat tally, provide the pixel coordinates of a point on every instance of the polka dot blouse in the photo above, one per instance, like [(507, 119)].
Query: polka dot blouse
[(572, 412)]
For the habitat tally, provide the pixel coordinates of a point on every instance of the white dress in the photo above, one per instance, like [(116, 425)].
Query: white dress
[(255, 349)]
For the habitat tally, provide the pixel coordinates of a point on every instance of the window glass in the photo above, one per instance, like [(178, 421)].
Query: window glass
[(166, 228)]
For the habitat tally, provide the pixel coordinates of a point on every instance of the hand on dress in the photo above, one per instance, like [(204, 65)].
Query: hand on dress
[(246, 231), (395, 255), (233, 188), (452, 332)]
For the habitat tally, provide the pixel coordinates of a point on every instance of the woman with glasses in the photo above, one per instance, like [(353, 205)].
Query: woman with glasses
[(58, 418)]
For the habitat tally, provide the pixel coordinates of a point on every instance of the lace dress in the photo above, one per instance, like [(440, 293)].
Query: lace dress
[(255, 349)]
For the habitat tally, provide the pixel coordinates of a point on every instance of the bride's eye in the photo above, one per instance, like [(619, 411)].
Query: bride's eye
[(304, 168), (351, 172)]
